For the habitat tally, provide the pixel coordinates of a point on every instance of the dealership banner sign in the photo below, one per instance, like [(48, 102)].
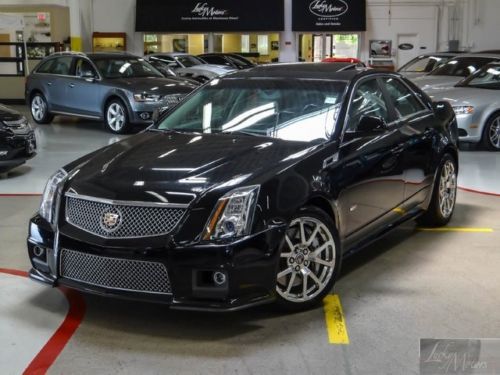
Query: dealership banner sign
[(209, 15), (329, 15)]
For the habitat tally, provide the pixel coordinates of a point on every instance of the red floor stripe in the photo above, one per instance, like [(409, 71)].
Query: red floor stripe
[(51, 350), (479, 192)]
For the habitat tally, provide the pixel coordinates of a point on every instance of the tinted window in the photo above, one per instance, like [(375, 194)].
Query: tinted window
[(402, 98), (240, 62), (188, 61), (59, 65), (84, 68), (215, 60), (125, 67), (462, 67), (423, 64), (300, 110), (368, 100), (486, 78), (46, 67)]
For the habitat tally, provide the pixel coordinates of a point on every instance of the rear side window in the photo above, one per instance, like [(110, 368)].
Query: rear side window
[(215, 60), (46, 67), (404, 101)]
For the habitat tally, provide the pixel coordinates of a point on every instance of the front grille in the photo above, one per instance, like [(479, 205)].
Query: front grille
[(171, 100), (131, 221), (115, 273)]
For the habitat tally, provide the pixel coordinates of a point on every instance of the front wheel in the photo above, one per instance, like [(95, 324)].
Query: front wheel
[(309, 261), (491, 135), (444, 195), (39, 110), (116, 117)]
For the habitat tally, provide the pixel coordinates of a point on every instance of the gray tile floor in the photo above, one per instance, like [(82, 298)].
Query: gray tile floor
[(408, 286)]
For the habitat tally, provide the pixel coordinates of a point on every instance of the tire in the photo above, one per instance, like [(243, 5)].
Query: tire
[(491, 133), (299, 268), (444, 195), (39, 109), (116, 117)]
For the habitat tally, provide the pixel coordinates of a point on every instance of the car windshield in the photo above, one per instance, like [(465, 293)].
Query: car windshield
[(298, 110), (188, 61), (423, 64), (461, 67), (486, 78), (125, 67)]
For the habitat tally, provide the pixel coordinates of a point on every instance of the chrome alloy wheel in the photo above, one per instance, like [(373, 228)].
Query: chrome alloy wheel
[(494, 133), (307, 260), (116, 117), (38, 108), (447, 189)]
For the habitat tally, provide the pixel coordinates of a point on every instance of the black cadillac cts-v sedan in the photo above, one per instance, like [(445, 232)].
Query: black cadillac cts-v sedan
[(251, 190)]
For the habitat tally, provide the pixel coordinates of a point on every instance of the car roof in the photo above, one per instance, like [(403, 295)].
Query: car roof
[(477, 54), (332, 71), (111, 55)]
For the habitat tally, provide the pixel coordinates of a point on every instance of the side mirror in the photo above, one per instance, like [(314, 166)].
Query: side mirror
[(88, 75), (371, 124)]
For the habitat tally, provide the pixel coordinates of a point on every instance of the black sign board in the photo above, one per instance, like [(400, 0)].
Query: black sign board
[(209, 15), (329, 15)]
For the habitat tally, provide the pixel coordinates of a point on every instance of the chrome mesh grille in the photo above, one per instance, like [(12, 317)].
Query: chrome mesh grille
[(134, 221), (115, 273)]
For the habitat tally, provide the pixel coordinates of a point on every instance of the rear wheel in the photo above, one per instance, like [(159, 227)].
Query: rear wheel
[(39, 110), (309, 261), (116, 117), (444, 195), (491, 134)]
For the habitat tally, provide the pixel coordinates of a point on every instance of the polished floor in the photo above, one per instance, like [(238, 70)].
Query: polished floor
[(413, 284)]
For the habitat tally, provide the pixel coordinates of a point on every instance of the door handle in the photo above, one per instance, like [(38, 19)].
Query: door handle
[(49, 83), (330, 160), (71, 85)]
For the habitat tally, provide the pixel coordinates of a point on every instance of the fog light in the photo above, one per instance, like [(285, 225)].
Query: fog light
[(145, 115), (219, 278), (38, 251)]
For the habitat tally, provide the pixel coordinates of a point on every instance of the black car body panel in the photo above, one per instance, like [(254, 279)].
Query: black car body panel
[(17, 139), (366, 182)]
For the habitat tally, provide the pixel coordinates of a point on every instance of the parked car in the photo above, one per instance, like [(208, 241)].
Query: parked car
[(232, 60), (167, 72), (476, 102), (453, 71), (253, 189), (426, 63), (17, 139), (190, 66), (118, 88)]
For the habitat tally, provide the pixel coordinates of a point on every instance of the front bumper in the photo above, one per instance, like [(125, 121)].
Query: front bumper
[(249, 264), (16, 149), (469, 129)]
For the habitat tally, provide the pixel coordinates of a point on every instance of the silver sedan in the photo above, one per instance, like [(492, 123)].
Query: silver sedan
[(476, 102)]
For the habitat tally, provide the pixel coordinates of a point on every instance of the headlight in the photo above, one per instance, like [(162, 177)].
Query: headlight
[(233, 214), (463, 110), (143, 97), (17, 126), (50, 194)]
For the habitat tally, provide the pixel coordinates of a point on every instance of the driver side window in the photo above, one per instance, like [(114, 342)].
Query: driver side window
[(368, 100), (84, 69)]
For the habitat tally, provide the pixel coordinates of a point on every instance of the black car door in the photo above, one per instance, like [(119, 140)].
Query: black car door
[(370, 171), (417, 126)]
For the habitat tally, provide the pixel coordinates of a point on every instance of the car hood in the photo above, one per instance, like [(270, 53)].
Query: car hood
[(215, 69), (8, 114), (155, 166), (436, 83), (153, 85)]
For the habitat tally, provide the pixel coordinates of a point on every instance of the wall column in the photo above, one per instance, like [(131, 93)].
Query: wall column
[(75, 25), (288, 40)]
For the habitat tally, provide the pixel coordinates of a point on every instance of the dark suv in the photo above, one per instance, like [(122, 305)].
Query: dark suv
[(118, 88)]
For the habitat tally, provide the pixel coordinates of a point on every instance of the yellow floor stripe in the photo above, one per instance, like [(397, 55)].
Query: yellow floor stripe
[(457, 229), (335, 322)]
